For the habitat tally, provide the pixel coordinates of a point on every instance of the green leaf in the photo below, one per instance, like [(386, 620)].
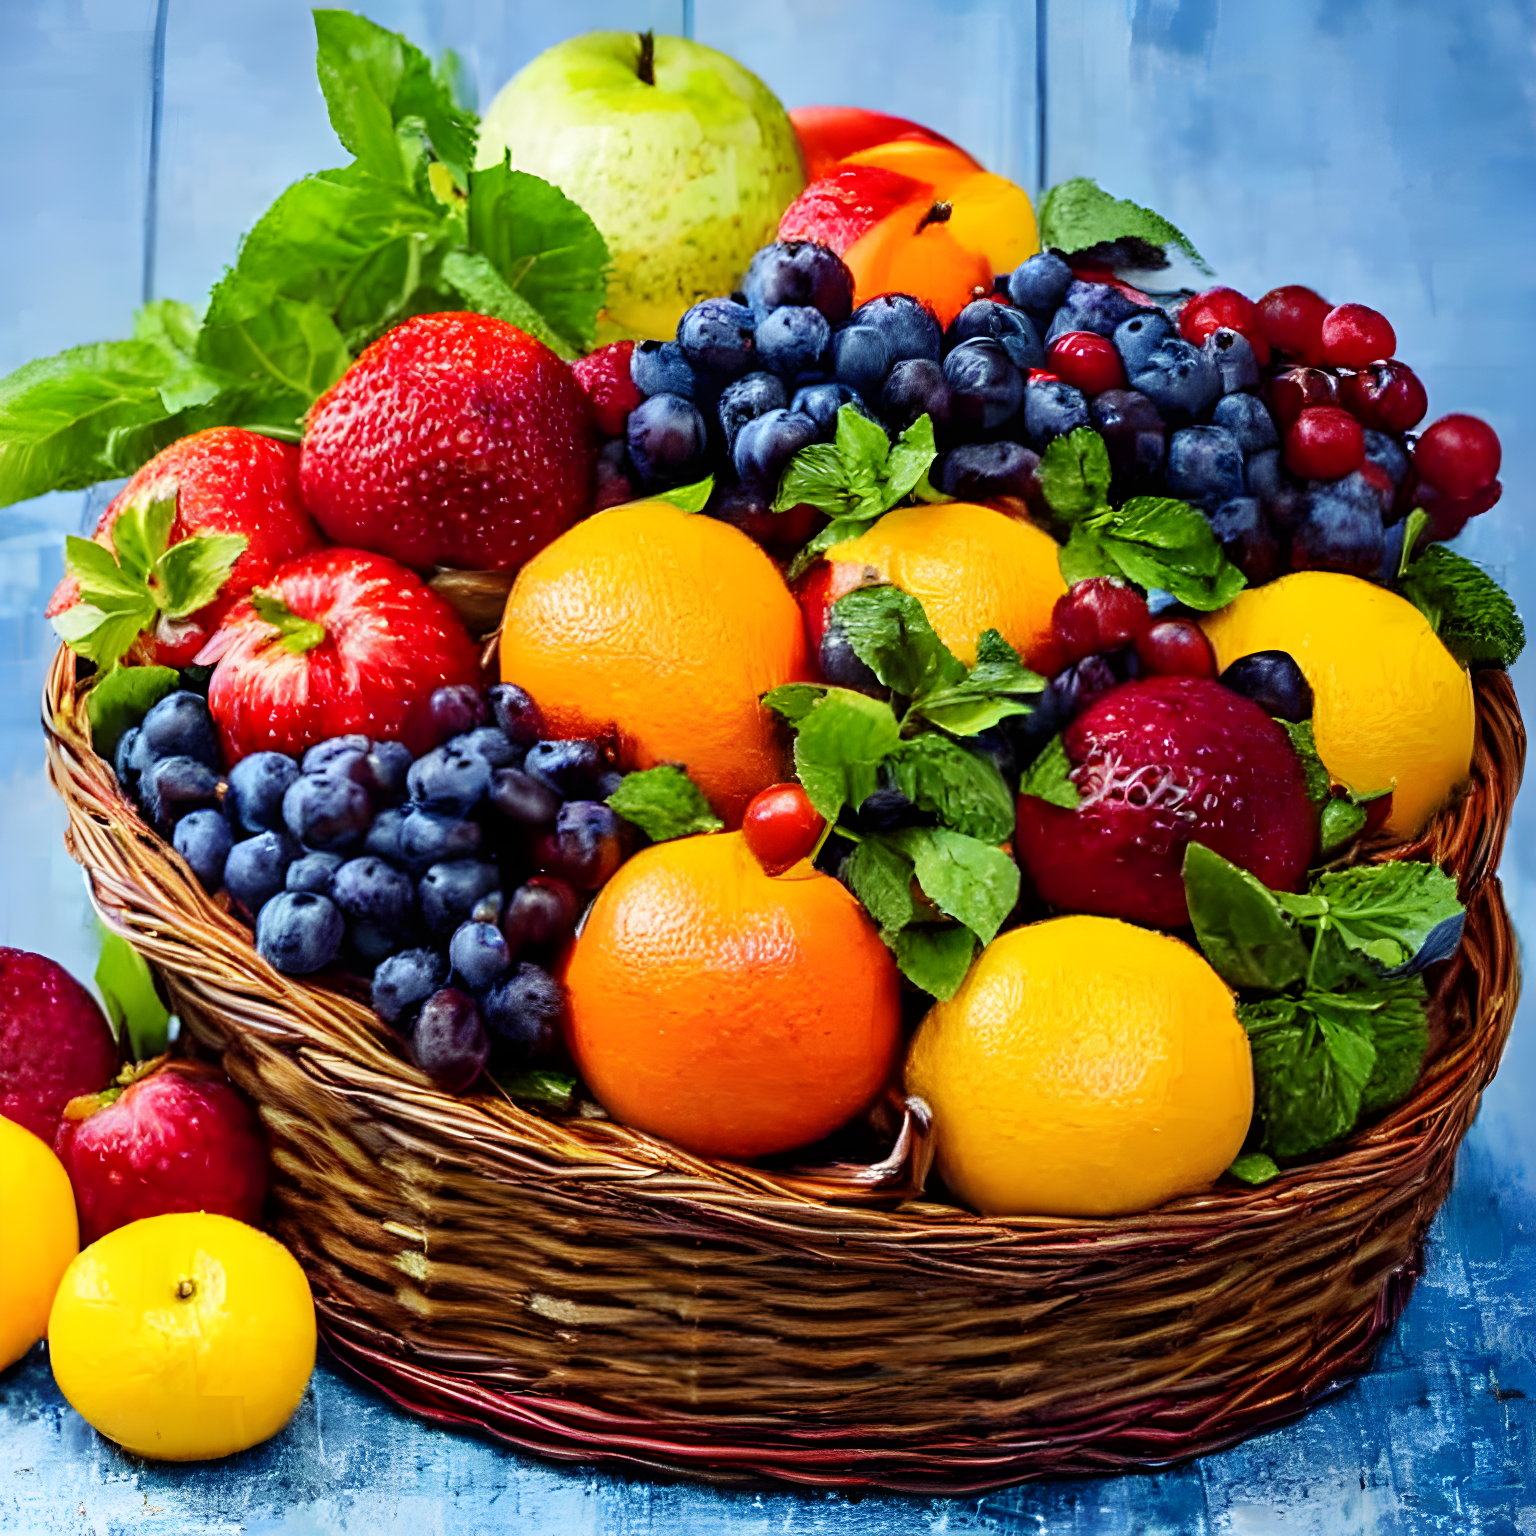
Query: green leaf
[(191, 573), (794, 701), (857, 477), (1077, 214), (1386, 912), (963, 789), (483, 289), (1157, 541), (102, 636), (909, 460), (1400, 1033), (1413, 525), (1254, 1168), (992, 690), (170, 323), (297, 635), (815, 476), (1469, 610), (1339, 824), (1049, 777), (128, 989), (1318, 780), (842, 741), (539, 1085), (966, 879), (691, 498), (880, 875), (963, 714), (934, 956), (121, 698), (664, 803), (101, 576), (891, 635), (1241, 928), (1084, 556), (1074, 473)]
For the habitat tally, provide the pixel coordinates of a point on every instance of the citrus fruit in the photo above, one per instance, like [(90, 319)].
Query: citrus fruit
[(184, 1337), (971, 568), (664, 627), (1392, 708), (733, 1012), (38, 1237), (1084, 1068)]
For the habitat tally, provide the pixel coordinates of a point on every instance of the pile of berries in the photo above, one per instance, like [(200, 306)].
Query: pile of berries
[(452, 879)]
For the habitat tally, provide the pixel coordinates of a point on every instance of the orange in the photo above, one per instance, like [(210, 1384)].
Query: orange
[(666, 628), (730, 1011), (1392, 708), (972, 568), (38, 1237), (1085, 1067)]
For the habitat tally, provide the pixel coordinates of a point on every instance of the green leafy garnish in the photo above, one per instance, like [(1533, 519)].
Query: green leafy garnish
[(664, 803), (538, 1085), (1242, 929), (891, 635), (691, 498), (1049, 777), (965, 878), (840, 744), (880, 874), (1318, 780), (1383, 912), (295, 633), (1074, 473), (934, 956), (1078, 214), (995, 688), (1468, 609), (127, 988), (120, 699), (1255, 1168), (963, 789)]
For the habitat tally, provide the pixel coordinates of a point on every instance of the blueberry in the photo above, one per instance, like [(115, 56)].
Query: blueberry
[(860, 360), (456, 708), (489, 742), (541, 914), (916, 387), (792, 339), (1040, 284), (325, 753), (1340, 529), (667, 440), (124, 759), (366, 945), (1051, 410), (608, 783), (448, 779), (1247, 418), (716, 335), (1247, 539), (1178, 378), (257, 784), (1274, 681), (449, 1041), (173, 786), (1092, 307), (905, 324), (822, 402), (841, 665), (406, 979), (521, 798), (799, 273), (976, 471), (478, 954), (569, 766), (372, 891), (387, 764), (1010, 328), (180, 726), (429, 837), (1231, 354), (886, 810), (516, 714), (661, 368), (255, 869), (747, 399), (1205, 466), (1135, 435), (314, 872), (327, 812), (524, 1013), (1139, 337), (298, 932), (586, 846), (1386, 453), (203, 839), (383, 840), (449, 891), (985, 388), (766, 444), (1080, 685)]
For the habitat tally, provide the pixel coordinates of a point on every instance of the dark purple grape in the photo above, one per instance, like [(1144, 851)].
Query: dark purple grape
[(746, 400), (1274, 682), (822, 402), (716, 336), (456, 708), (1340, 528), (766, 444), (1384, 451), (985, 388), (449, 779), (449, 1041), (516, 714), (257, 784), (1040, 284), (799, 273), (976, 471), (406, 979), (125, 761), (203, 839), (522, 798), (913, 388), (1136, 439), (1247, 539), (173, 786), (298, 932), (541, 914), (448, 892), (792, 339), (1010, 328), (478, 954), (586, 846), (906, 326), (859, 359), (668, 440), (840, 663), (369, 890), (524, 1013), (315, 873)]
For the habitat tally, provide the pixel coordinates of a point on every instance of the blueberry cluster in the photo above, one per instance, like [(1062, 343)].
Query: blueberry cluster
[(451, 879)]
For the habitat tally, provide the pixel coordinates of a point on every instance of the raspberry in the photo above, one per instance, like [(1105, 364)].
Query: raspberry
[(1355, 336), (605, 379), (1292, 318), (1458, 455), (1324, 443)]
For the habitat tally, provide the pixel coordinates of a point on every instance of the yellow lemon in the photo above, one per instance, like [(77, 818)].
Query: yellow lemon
[(1392, 708), (38, 1237), (184, 1337), (1085, 1067), (972, 568)]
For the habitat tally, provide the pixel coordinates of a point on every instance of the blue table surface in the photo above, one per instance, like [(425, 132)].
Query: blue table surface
[(1382, 151)]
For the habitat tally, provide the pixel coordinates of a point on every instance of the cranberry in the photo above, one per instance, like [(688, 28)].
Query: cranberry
[(1355, 335), (781, 827), (1224, 309), (1448, 515), (1292, 318), (1386, 396), (1458, 455), (1295, 390), (1176, 648), (1087, 362), (1097, 615), (1324, 443)]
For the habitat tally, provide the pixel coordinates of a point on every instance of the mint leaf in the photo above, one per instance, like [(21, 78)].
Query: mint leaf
[(858, 476), (538, 1085), (907, 465), (664, 803), (127, 988), (1074, 473), (190, 574), (993, 690), (1049, 777), (1386, 912), (691, 498), (1157, 541), (121, 698), (880, 875), (1084, 556), (1254, 1168), (140, 535), (841, 743), (170, 323), (963, 789), (816, 477), (1241, 928), (891, 635), (1469, 610), (1400, 1033), (1340, 823), (101, 577), (966, 879), (794, 701), (934, 956), (1318, 780), (1077, 214)]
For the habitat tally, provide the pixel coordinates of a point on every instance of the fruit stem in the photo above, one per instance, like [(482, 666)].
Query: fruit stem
[(647, 66), (296, 634), (938, 214)]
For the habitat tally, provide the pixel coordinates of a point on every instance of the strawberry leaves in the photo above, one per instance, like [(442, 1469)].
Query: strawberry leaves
[(294, 633)]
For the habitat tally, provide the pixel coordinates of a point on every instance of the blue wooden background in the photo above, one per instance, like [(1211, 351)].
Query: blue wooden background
[(1383, 151)]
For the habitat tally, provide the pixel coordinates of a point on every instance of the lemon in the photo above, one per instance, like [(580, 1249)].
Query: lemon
[(1392, 708), (184, 1337), (38, 1237), (972, 568), (1085, 1067)]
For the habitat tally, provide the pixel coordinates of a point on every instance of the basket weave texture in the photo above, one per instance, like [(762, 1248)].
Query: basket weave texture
[(580, 1290)]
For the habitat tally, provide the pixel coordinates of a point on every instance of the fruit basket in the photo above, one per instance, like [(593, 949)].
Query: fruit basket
[(583, 1291)]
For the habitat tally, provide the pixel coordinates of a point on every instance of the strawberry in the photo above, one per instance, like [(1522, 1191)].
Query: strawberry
[(54, 1041), (605, 380), (173, 1136), (453, 440), (338, 642), (233, 497)]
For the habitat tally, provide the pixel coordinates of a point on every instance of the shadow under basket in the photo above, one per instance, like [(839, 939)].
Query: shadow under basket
[(585, 1292)]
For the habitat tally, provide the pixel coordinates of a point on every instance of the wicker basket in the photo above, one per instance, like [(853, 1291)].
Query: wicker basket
[(582, 1291)]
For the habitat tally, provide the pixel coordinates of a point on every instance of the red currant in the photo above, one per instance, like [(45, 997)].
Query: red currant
[(1292, 318), (1458, 455), (1324, 443), (1224, 307), (1448, 515), (1097, 615), (1386, 396), (1354, 336), (1087, 362), (1176, 648), (1295, 390), (781, 827)]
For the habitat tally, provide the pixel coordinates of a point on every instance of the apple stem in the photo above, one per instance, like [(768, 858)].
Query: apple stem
[(647, 66)]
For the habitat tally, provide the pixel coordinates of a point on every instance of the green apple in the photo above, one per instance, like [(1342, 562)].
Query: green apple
[(683, 159)]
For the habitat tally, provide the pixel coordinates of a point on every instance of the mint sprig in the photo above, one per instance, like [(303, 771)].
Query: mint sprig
[(1078, 214), (664, 803), (1468, 609)]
